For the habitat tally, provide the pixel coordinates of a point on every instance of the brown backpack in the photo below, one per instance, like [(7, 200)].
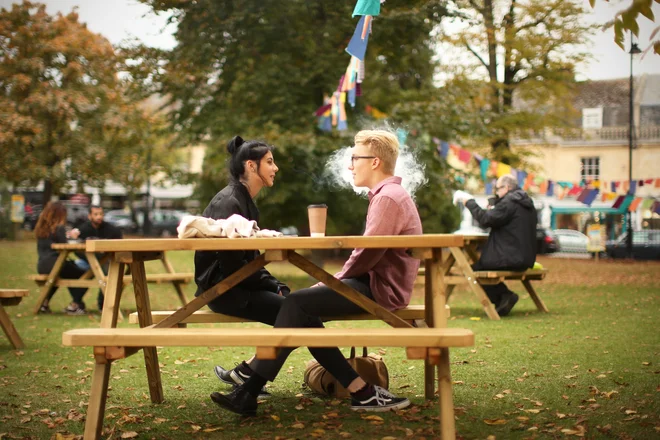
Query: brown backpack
[(370, 367)]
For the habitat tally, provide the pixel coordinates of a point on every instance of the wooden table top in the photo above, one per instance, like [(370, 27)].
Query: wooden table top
[(279, 243)]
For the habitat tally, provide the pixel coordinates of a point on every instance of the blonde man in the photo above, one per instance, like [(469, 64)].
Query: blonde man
[(383, 275)]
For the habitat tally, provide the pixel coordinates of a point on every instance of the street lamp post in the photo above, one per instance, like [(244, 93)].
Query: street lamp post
[(634, 50)]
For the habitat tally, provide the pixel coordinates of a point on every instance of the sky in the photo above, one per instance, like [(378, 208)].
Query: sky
[(119, 20)]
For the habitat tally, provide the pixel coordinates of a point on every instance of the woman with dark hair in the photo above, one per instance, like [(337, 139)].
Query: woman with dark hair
[(51, 228), (259, 296)]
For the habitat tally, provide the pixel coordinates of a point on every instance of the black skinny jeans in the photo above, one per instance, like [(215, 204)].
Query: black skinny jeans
[(70, 272), (306, 308), (257, 305)]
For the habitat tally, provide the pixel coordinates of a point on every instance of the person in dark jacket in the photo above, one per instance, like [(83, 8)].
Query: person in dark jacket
[(51, 228), (96, 228), (259, 296), (511, 244)]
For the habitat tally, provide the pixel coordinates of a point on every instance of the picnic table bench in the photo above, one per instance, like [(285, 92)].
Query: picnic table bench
[(458, 271), (95, 277), (110, 343), (11, 297)]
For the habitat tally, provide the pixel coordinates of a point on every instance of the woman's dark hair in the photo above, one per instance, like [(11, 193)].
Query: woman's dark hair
[(53, 215), (241, 151)]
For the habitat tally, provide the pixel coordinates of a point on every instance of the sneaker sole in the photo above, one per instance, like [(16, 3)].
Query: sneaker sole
[(400, 405), (221, 404)]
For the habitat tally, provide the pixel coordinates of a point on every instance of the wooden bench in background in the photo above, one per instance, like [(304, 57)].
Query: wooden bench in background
[(95, 277), (490, 277), (11, 297), (430, 344)]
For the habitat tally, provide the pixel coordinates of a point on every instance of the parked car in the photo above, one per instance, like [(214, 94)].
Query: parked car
[(165, 221), (646, 245), (121, 219), (571, 241), (545, 241)]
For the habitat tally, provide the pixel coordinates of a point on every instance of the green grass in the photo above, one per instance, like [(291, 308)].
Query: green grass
[(591, 365)]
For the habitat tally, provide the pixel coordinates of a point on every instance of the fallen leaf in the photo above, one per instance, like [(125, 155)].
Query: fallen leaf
[(275, 417), (217, 428), (377, 418), (129, 434), (495, 421), (298, 426)]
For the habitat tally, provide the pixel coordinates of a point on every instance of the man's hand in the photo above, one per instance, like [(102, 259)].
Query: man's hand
[(461, 197)]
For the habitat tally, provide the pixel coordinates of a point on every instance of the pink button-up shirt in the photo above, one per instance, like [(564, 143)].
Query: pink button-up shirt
[(392, 271)]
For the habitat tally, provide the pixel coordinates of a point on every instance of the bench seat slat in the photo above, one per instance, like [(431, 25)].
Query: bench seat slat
[(280, 337), (151, 278), (207, 317), (13, 293)]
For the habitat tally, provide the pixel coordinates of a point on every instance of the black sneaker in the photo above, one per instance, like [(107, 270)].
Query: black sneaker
[(239, 401), (237, 377), (379, 400), (507, 304), (74, 309)]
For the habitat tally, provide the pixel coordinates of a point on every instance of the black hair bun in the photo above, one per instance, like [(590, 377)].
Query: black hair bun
[(234, 144)]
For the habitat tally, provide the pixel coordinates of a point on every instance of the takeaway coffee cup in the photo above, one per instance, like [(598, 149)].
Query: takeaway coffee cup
[(317, 215)]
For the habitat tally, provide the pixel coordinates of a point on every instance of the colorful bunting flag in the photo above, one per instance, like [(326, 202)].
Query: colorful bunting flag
[(551, 188), (503, 169), (591, 196), (635, 203), (483, 166), (357, 46), (617, 203), (367, 7)]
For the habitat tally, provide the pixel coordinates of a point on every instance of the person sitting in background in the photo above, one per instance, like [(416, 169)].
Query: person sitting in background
[(96, 228), (385, 276), (51, 228), (511, 244)]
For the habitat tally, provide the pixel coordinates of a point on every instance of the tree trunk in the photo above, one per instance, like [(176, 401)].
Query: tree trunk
[(48, 192)]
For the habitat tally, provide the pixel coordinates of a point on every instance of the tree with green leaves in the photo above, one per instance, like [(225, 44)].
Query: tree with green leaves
[(58, 84), (626, 20), (525, 50), (261, 68)]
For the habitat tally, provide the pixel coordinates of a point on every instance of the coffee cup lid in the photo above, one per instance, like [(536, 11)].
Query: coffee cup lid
[(318, 206)]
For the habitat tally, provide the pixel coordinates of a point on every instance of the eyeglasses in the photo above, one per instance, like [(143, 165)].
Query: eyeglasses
[(497, 188), (354, 158)]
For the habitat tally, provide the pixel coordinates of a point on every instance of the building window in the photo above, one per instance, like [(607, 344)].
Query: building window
[(590, 170)]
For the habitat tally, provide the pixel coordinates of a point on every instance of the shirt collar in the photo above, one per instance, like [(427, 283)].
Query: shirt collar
[(376, 189)]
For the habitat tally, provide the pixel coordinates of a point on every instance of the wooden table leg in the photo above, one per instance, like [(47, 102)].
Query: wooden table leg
[(535, 297), (447, 424), (434, 298), (101, 374), (10, 330), (177, 284), (474, 285), (53, 276), (144, 316)]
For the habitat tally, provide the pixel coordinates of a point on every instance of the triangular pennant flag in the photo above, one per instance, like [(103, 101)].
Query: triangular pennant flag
[(367, 7), (647, 203), (635, 203), (633, 187), (617, 203), (464, 155), (648, 181), (656, 208), (583, 195), (657, 183), (444, 149), (521, 176), (357, 47), (493, 167), (551, 188), (640, 183), (503, 169), (489, 189), (483, 166), (478, 157), (591, 196), (543, 188)]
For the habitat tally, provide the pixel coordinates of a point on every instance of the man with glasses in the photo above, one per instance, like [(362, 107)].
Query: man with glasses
[(383, 275), (511, 244)]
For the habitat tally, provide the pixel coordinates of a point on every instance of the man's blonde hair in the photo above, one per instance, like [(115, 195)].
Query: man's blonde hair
[(382, 144)]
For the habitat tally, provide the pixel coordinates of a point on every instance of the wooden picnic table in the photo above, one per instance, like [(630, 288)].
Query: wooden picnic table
[(94, 277), (459, 261), (135, 252)]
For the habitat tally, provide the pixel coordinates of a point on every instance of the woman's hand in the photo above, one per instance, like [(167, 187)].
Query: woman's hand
[(73, 234)]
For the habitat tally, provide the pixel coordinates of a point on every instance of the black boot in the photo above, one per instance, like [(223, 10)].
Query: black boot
[(239, 401), (507, 304)]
